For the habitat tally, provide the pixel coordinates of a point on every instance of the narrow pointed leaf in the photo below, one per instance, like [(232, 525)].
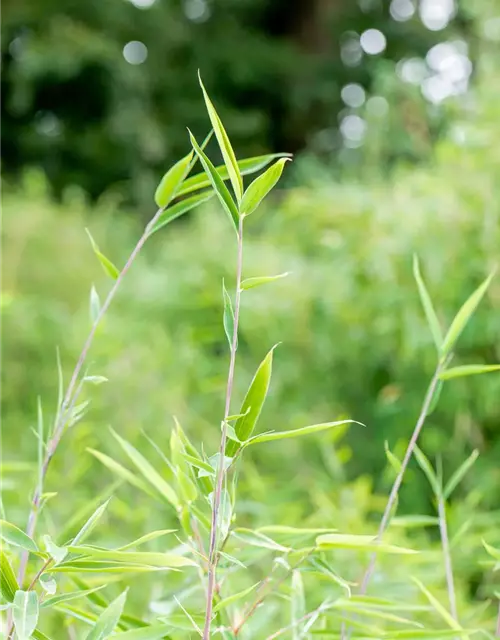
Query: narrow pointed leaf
[(25, 613), (180, 208), (468, 370), (438, 607), (457, 477), (253, 403), (153, 535), (297, 433), (425, 465), (8, 582), (91, 523), (430, 314), (158, 631), (48, 584), (261, 186), (297, 606), (171, 182), (108, 619), (56, 553), (435, 397), (96, 380), (67, 597), (392, 459), (359, 543), (14, 536), (107, 265), (250, 283), (226, 602), (148, 471), (494, 553), (224, 145), (228, 318), (463, 316), (143, 558), (95, 304), (121, 471), (217, 183)]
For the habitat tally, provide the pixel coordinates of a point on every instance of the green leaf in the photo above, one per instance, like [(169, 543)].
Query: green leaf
[(108, 619), (430, 314), (359, 543), (96, 380), (261, 186), (414, 521), (107, 265), (91, 523), (148, 471), (25, 613), (228, 317), (153, 535), (151, 632), (95, 305), (225, 514), (425, 465), (253, 403), (38, 635), (463, 316), (457, 477), (224, 145), (14, 536), (256, 539), (8, 582), (297, 606), (392, 459), (121, 471), (180, 208), (250, 283), (48, 584), (435, 398), (468, 370), (246, 166), (198, 463), (293, 531), (297, 433), (171, 182), (218, 184), (143, 558), (494, 553), (72, 595), (56, 553), (80, 566), (438, 607), (226, 602)]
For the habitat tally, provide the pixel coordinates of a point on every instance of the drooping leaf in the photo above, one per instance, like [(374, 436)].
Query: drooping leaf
[(250, 283), (252, 404), (228, 317), (224, 145), (48, 584), (297, 433), (430, 314), (463, 316), (180, 208), (468, 370), (56, 553), (247, 166), (234, 597), (425, 465), (148, 471), (171, 182), (14, 536), (392, 459), (91, 523), (261, 186), (8, 582), (457, 477), (107, 265), (95, 305), (108, 619), (494, 553), (217, 184), (359, 543), (25, 613)]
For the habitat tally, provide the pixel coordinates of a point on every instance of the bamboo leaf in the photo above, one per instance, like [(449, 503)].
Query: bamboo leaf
[(228, 317), (14, 536), (297, 606), (250, 283), (142, 558), (91, 523), (95, 304), (121, 471), (67, 597), (261, 186), (180, 208), (8, 582), (414, 521), (48, 584), (494, 553), (25, 613), (253, 403), (246, 166), (463, 316), (459, 474), (151, 632), (153, 535), (148, 471), (425, 465), (226, 602), (438, 607), (430, 314), (359, 543), (217, 184), (468, 370), (108, 619), (171, 182), (56, 553), (224, 145), (435, 398), (297, 433), (257, 539), (107, 265)]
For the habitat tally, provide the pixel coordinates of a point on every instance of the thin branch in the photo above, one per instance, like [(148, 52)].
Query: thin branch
[(70, 397), (221, 473), (445, 543)]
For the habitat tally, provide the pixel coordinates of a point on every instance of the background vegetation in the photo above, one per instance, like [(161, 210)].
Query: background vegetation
[(354, 339)]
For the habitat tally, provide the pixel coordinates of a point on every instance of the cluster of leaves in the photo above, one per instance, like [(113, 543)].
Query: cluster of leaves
[(201, 493)]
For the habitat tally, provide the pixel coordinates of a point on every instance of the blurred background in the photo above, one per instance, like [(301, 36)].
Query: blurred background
[(392, 110)]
